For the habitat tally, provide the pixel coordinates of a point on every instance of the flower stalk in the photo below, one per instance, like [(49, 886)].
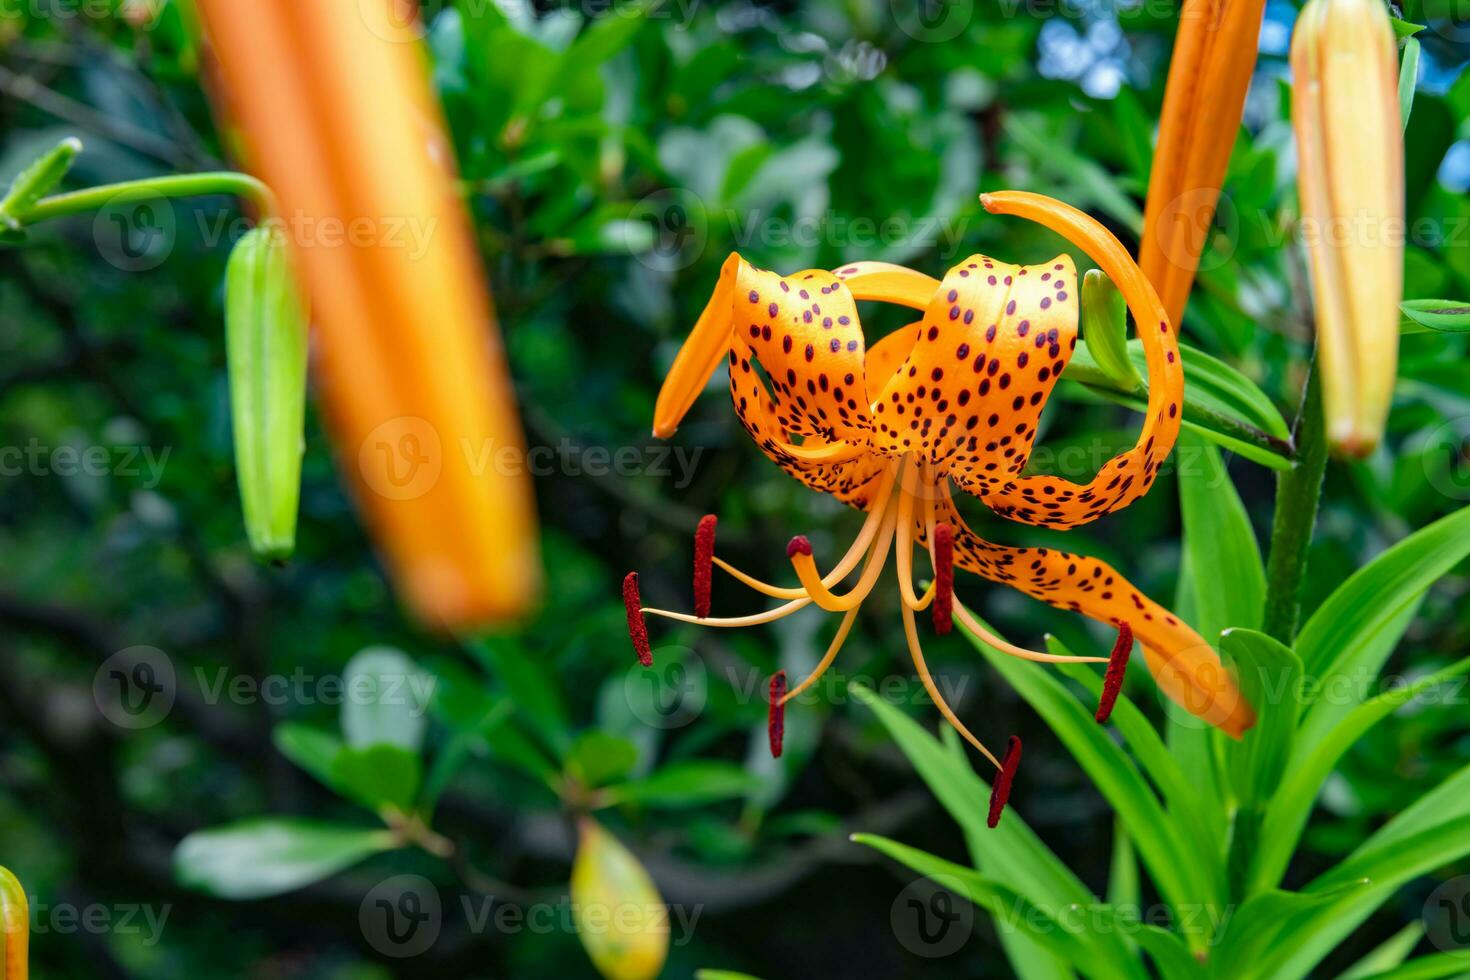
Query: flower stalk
[(1347, 118)]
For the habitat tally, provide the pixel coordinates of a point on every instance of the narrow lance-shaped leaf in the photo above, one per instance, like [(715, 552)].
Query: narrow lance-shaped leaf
[(265, 336), (1105, 329)]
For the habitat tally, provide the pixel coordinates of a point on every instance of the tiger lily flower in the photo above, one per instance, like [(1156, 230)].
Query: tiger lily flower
[(1204, 99), (951, 401), (335, 106)]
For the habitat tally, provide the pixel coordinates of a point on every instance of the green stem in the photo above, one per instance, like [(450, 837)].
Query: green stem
[(180, 185), (1298, 492)]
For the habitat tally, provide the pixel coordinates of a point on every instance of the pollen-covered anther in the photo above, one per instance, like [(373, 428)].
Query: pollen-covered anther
[(704, 556), (1000, 790), (798, 545), (1117, 667), (776, 715), (943, 608), (637, 628)]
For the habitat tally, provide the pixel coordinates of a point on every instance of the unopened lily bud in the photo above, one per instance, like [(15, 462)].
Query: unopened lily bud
[(15, 927), (265, 335), (620, 916), (1351, 179)]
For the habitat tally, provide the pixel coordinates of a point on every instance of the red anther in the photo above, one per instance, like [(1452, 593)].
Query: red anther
[(637, 628), (704, 554), (776, 716), (1000, 790), (798, 545), (1117, 667), (943, 607)]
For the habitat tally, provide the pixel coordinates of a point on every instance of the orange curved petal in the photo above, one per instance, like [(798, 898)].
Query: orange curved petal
[(1129, 475), (1184, 666), (700, 355)]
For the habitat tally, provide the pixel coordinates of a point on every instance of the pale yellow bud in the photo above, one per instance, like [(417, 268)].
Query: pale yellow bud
[(1351, 177)]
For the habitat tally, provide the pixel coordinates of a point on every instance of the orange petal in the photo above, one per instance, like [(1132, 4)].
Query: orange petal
[(1214, 55), (992, 343), (341, 122), (1128, 476), (700, 355), (1184, 666)]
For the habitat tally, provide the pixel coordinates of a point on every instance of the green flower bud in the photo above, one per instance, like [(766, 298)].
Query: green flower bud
[(621, 919), (265, 336)]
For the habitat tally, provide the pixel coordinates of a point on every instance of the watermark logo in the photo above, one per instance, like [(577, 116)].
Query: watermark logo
[(401, 916), (679, 225), (135, 688), (671, 693), (1446, 458), (930, 919), (135, 234), (1447, 915), (402, 458)]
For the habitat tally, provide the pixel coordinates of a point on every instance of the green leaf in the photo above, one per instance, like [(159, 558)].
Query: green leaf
[(1388, 954), (1436, 315), (1230, 582), (685, 784), (530, 686), (312, 749), (1105, 330), (1010, 910), (1181, 876), (378, 776), (385, 701), (1408, 78), (1270, 677), (1263, 929), (269, 856), (1353, 632), (1403, 28), (1310, 766), (1010, 853), (598, 758), (35, 181), (1220, 403), (1439, 966)]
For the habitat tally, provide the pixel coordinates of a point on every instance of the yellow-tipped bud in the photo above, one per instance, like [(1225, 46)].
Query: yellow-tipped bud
[(15, 927), (622, 921), (1351, 178)]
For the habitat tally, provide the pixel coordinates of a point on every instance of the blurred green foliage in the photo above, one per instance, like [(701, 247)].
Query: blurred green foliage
[(612, 157)]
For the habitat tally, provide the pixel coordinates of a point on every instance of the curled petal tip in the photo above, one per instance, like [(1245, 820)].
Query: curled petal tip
[(1000, 790), (704, 555), (1117, 668), (637, 627), (776, 714), (798, 545)]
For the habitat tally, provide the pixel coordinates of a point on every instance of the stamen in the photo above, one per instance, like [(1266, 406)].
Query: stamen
[(1000, 790), (942, 551), (911, 633), (637, 627), (704, 553), (800, 553), (843, 628), (776, 714), (882, 500), (969, 622), (1117, 667)]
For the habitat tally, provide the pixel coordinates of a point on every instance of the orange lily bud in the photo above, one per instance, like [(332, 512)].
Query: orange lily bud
[(1351, 179), (15, 927), (334, 103), (1214, 54)]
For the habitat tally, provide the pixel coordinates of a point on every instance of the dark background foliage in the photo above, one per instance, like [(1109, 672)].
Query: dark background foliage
[(608, 182)]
